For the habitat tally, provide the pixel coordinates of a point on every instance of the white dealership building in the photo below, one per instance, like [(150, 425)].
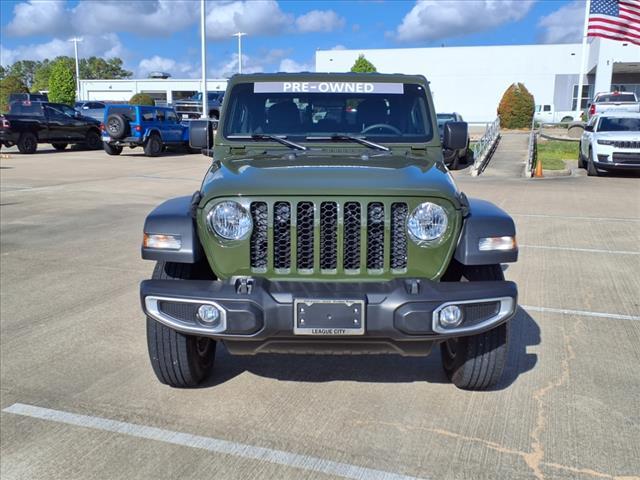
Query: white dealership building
[(471, 80)]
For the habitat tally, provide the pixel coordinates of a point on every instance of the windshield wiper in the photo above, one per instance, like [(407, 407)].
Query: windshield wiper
[(275, 138), (350, 138)]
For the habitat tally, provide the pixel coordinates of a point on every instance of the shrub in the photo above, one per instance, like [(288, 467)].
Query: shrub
[(62, 84), (362, 65), (516, 107), (142, 99), (9, 85)]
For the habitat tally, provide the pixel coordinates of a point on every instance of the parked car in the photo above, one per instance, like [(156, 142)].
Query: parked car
[(548, 114), (192, 107), (91, 109), (342, 235), (611, 141), (614, 101), (452, 158), (29, 123), (152, 128)]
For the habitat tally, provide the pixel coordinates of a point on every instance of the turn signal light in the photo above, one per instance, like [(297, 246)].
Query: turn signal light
[(164, 242), (497, 243)]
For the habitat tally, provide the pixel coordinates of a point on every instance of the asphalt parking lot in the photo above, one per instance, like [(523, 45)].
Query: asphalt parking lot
[(79, 398)]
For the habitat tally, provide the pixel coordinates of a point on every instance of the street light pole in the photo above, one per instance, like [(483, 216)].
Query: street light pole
[(75, 41), (239, 35), (203, 60)]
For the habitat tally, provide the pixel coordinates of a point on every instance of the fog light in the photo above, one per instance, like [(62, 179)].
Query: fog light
[(209, 314), (450, 316)]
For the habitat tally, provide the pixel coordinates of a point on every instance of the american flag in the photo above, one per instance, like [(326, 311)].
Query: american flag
[(615, 19)]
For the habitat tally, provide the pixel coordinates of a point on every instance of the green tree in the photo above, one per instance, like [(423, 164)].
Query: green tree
[(142, 99), (3, 72), (362, 65), (24, 70), (516, 107), (8, 85), (62, 84), (99, 68), (41, 77)]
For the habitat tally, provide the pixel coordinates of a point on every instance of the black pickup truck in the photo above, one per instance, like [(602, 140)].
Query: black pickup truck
[(29, 123)]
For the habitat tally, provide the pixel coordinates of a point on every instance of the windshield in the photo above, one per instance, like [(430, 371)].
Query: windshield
[(617, 97), (620, 124), (382, 112)]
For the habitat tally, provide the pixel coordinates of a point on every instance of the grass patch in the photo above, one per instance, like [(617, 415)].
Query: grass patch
[(552, 152)]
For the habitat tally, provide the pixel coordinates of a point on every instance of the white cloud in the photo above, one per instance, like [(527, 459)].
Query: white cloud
[(338, 47), (106, 46), (38, 18), (435, 19), (564, 25), (169, 65), (259, 17), (229, 66), (319, 21), (289, 65), (143, 17)]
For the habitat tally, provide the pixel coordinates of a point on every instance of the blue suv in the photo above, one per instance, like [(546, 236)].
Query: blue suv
[(152, 128)]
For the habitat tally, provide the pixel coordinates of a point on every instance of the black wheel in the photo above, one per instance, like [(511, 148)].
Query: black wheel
[(153, 146), (477, 362), (117, 126), (580, 157), (592, 171), (178, 360), (111, 149), (59, 146), (93, 140), (27, 143)]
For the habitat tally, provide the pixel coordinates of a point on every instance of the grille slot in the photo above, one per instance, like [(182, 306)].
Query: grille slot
[(282, 235), (399, 213), (328, 235), (304, 231), (259, 236), (375, 236), (352, 222)]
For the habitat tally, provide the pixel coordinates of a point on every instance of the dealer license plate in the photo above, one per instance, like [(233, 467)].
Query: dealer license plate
[(328, 317)]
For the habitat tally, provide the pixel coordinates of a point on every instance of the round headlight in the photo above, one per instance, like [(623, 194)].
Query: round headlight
[(427, 223), (230, 220)]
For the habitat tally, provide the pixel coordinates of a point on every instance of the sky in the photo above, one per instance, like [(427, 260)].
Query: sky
[(164, 35)]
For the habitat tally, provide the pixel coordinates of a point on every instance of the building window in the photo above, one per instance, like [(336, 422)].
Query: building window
[(587, 94), (626, 87)]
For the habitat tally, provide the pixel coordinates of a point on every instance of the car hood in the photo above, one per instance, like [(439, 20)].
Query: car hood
[(335, 175), (622, 136)]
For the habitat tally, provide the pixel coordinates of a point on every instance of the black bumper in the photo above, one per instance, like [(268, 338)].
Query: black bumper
[(8, 138), (399, 314)]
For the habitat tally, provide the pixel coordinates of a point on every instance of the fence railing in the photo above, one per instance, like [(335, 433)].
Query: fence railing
[(484, 148), (531, 151)]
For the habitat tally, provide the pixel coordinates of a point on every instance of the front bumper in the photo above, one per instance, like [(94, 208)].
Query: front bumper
[(400, 316), (8, 138), (612, 158)]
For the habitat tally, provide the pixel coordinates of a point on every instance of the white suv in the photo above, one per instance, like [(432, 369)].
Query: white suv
[(611, 141)]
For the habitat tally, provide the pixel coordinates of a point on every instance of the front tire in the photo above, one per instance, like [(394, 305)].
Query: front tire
[(178, 360), (580, 157), (153, 146), (27, 143), (476, 362), (592, 171)]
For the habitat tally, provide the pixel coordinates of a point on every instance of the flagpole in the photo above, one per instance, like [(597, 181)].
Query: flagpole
[(583, 61)]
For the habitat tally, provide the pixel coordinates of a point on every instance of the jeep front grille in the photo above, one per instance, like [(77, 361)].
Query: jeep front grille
[(328, 237)]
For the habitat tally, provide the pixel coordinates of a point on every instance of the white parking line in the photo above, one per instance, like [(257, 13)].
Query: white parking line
[(590, 250), (575, 217), (583, 313), (280, 457)]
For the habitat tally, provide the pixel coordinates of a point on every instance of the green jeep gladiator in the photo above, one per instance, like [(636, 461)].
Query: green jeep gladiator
[(328, 223)]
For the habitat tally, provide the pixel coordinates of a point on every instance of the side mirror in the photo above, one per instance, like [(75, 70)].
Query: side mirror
[(456, 135), (77, 114), (588, 128), (201, 134)]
